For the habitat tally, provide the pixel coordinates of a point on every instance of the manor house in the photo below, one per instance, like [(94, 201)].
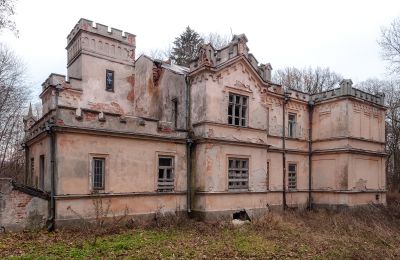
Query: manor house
[(210, 140)]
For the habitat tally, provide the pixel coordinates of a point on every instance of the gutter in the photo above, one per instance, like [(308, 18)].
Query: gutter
[(189, 143), (50, 129), (285, 101), (310, 117)]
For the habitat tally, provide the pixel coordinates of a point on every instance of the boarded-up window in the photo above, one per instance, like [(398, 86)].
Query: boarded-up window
[(237, 110), (292, 176), (98, 173), (238, 173), (292, 125), (165, 173)]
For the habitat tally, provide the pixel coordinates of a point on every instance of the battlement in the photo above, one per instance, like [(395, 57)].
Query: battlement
[(346, 89), (101, 29)]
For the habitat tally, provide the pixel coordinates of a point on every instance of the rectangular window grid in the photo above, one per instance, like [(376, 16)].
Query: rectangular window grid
[(237, 110), (291, 125), (292, 176), (165, 173), (238, 173), (98, 173)]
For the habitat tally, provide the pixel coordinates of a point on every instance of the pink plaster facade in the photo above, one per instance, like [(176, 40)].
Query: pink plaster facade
[(156, 109)]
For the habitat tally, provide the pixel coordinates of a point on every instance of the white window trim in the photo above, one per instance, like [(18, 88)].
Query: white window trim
[(226, 172), (155, 174)]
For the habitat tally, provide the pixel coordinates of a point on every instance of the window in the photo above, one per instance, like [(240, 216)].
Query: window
[(238, 174), (41, 173), (267, 175), (292, 176), (109, 80), (175, 111), (98, 173), (32, 172), (237, 110), (292, 125), (165, 173)]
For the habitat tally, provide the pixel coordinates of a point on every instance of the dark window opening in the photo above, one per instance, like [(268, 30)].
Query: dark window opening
[(165, 173), (175, 112), (237, 110), (109, 80), (41, 174), (32, 171), (292, 176), (238, 174), (98, 173), (267, 175)]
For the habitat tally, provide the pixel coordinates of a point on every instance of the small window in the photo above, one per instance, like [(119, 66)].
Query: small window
[(267, 175), (109, 80), (175, 112), (165, 173), (237, 110), (292, 125), (98, 173), (238, 174), (41, 173), (292, 176), (32, 171)]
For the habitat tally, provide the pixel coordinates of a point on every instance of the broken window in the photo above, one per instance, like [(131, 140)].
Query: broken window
[(292, 176), (175, 112), (109, 80), (165, 173), (98, 173), (237, 110), (41, 173), (238, 173), (291, 125)]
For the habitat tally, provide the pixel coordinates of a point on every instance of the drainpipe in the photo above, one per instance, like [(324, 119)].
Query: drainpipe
[(310, 117), (189, 143), (285, 101), (51, 132)]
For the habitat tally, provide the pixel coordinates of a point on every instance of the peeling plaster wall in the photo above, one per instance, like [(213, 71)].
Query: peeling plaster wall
[(41, 147), (19, 211), (131, 164)]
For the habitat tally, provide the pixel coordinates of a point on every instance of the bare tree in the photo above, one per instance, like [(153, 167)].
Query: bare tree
[(390, 45), (308, 80), (218, 41), (7, 10), (14, 96)]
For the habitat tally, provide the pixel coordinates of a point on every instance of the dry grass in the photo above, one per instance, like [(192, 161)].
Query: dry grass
[(364, 233)]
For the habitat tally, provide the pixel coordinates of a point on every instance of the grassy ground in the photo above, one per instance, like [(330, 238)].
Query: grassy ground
[(359, 234)]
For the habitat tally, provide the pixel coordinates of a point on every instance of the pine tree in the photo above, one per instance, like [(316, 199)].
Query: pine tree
[(186, 47)]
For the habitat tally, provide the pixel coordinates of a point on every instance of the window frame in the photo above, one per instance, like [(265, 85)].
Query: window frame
[(42, 169), (292, 176), (94, 159), (230, 169), (268, 174), (171, 186), (292, 125), (240, 117), (110, 88)]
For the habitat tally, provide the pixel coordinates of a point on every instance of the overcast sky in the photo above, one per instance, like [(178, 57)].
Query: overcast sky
[(341, 35)]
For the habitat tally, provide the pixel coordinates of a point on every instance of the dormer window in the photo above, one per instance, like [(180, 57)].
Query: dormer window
[(109, 80)]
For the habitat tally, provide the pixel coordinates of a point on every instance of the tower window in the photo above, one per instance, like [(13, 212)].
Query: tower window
[(109, 80)]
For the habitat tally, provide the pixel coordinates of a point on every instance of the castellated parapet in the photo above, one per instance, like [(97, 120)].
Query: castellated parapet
[(99, 40)]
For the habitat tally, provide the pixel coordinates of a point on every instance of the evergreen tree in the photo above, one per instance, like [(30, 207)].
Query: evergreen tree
[(186, 47)]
